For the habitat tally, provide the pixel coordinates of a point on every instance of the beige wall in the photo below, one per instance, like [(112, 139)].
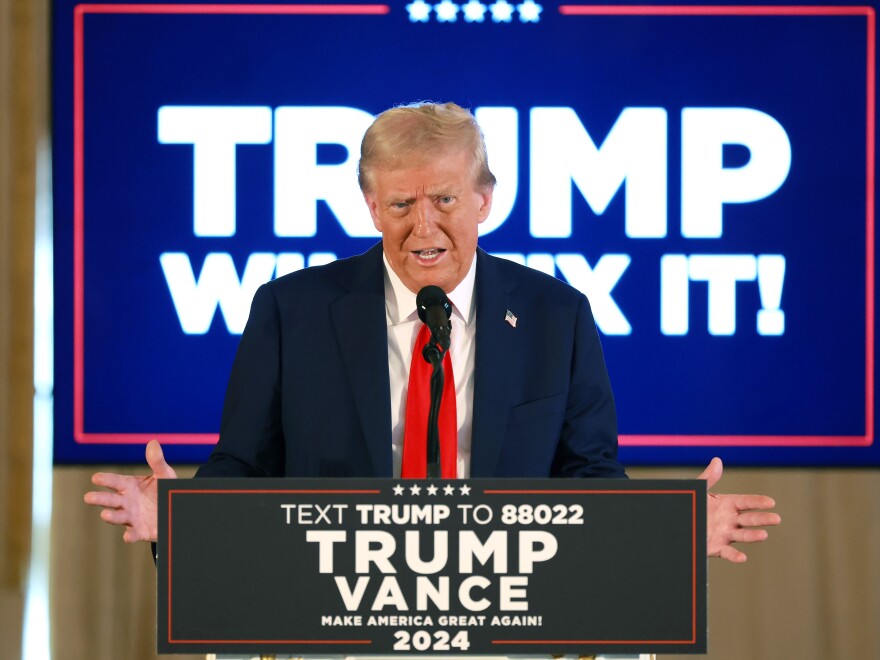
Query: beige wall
[(23, 118), (103, 591), (813, 591)]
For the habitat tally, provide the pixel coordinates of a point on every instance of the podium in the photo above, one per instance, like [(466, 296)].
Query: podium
[(642, 656), (387, 567)]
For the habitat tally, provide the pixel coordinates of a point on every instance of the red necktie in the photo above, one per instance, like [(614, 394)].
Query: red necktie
[(418, 401)]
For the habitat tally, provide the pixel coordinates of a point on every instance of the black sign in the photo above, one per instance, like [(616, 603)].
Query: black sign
[(483, 566)]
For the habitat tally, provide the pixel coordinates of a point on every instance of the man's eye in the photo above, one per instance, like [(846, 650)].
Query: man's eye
[(448, 199), (399, 205)]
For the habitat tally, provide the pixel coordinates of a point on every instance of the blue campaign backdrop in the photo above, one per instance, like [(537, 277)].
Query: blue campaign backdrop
[(705, 175)]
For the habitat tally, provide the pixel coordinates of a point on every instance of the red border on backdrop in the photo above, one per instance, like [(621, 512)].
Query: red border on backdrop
[(633, 440), (866, 440), (79, 433)]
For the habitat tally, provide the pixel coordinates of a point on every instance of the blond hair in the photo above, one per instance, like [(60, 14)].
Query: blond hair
[(422, 129)]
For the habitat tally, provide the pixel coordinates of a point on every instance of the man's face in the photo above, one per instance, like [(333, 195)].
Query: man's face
[(428, 212)]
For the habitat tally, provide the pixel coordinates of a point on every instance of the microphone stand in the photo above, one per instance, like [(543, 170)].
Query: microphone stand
[(433, 354), (435, 312)]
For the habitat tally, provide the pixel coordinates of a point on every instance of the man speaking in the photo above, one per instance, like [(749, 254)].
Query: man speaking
[(328, 380)]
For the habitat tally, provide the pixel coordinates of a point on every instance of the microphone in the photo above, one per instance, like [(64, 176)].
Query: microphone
[(435, 310)]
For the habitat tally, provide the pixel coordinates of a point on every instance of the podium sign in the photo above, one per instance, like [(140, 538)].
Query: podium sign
[(386, 566)]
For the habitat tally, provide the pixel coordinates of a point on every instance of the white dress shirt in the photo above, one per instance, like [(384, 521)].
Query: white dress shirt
[(403, 323)]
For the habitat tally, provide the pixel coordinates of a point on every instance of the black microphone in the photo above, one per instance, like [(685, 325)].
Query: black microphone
[(435, 311)]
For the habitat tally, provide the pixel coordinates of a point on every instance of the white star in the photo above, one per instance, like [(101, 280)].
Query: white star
[(501, 11), (414, 489), (432, 489), (419, 11), (474, 11), (398, 489), (448, 489), (465, 490), (529, 11), (446, 11)]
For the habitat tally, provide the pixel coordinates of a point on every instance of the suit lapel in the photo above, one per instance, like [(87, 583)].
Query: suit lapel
[(493, 369), (360, 324)]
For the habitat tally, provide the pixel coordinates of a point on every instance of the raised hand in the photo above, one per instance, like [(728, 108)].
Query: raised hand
[(734, 518), (131, 501)]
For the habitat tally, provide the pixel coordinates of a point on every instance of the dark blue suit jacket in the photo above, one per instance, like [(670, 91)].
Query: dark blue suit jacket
[(309, 393)]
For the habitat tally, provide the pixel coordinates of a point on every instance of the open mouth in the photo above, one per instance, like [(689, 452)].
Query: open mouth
[(428, 255)]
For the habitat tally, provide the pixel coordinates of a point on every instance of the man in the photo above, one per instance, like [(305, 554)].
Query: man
[(319, 384)]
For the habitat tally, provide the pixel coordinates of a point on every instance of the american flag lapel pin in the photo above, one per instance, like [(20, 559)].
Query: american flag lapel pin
[(510, 318)]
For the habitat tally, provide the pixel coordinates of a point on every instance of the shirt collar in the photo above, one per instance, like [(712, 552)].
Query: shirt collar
[(400, 302)]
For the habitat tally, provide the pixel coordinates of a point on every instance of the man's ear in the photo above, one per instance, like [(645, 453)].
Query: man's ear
[(486, 206), (373, 205)]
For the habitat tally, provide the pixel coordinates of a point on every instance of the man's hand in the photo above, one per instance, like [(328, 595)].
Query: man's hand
[(734, 518), (131, 501)]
